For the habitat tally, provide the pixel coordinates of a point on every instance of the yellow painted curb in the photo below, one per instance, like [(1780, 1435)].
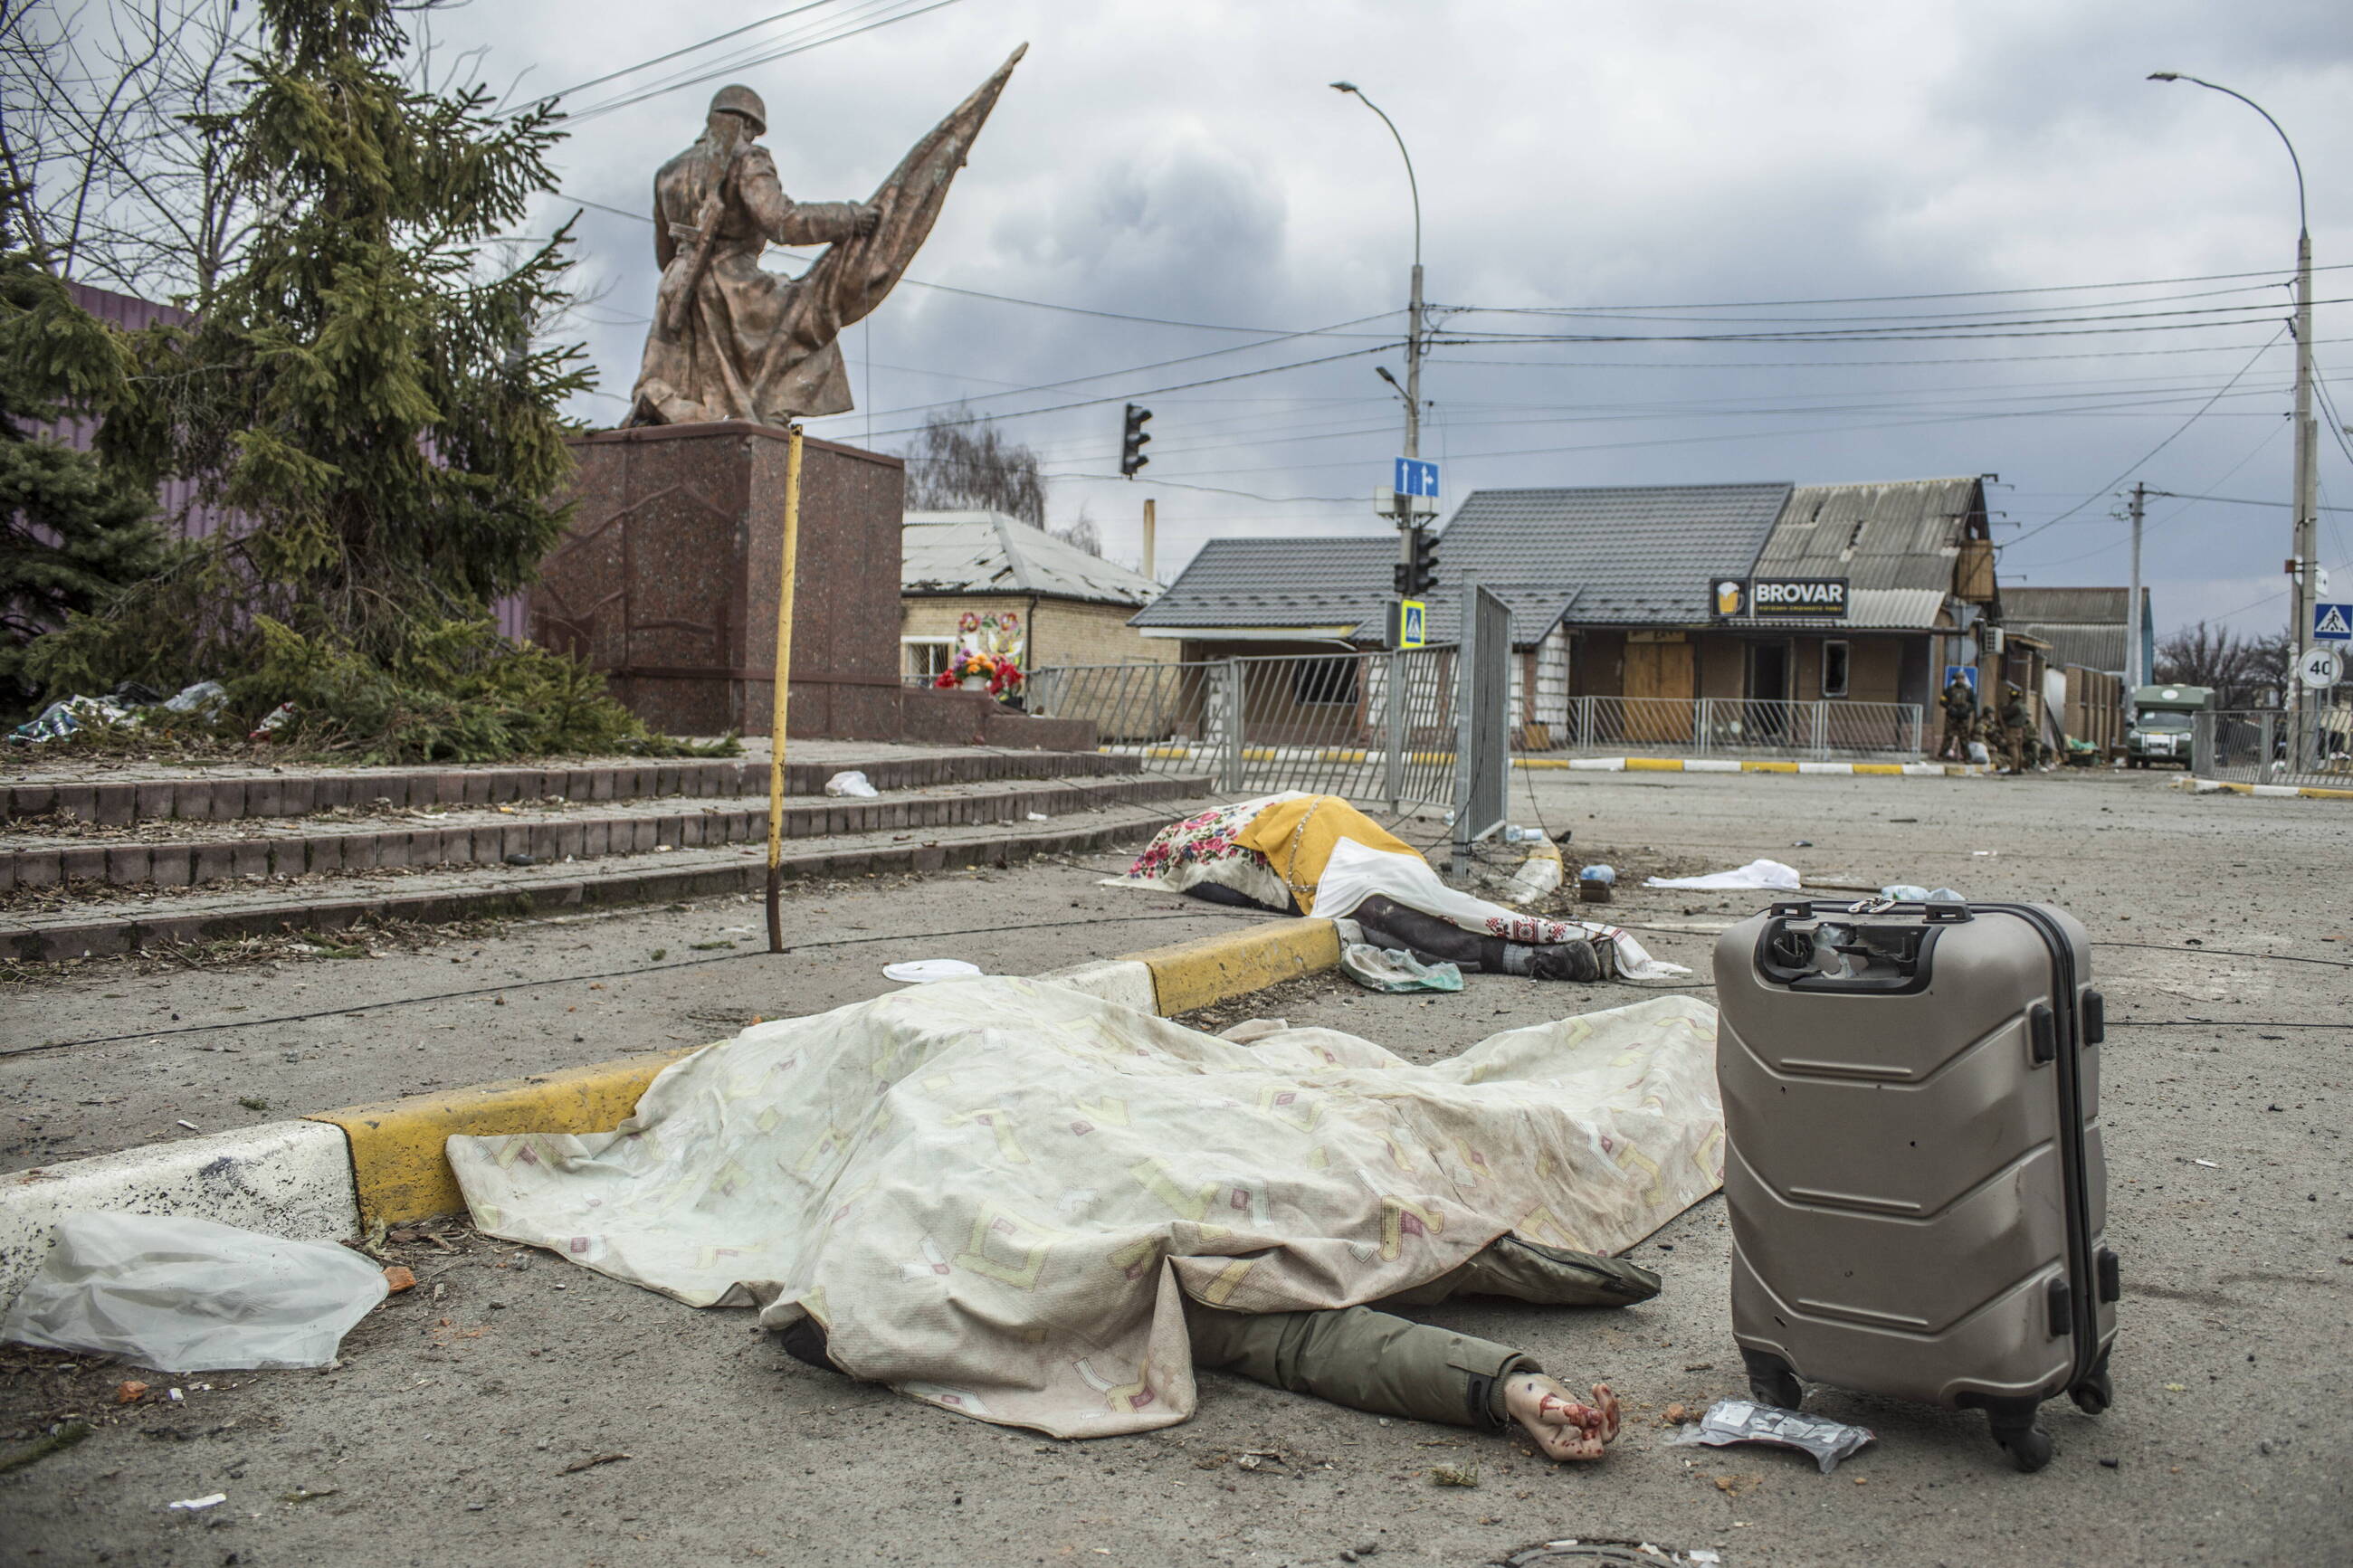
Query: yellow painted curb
[(398, 1163), (1769, 767), (1195, 973), (2306, 791), (1896, 768), (1654, 765)]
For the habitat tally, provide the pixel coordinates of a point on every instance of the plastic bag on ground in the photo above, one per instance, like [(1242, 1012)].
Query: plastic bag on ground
[(1764, 874), (1394, 969), (853, 783), (1746, 1421), (1978, 754), (181, 1294), (1539, 873)]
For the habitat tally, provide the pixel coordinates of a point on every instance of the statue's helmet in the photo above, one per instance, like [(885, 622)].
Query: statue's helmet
[(740, 99)]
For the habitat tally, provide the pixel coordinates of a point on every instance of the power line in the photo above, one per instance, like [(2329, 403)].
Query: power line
[(1900, 299), (674, 54), (745, 62), (2233, 501), (2152, 452)]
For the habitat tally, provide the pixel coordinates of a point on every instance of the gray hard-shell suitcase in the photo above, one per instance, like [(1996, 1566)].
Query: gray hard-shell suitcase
[(1917, 1190)]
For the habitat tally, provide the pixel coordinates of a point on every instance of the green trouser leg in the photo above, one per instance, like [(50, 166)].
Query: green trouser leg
[(1363, 1358)]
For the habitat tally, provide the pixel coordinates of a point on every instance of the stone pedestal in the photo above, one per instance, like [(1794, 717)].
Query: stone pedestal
[(667, 581)]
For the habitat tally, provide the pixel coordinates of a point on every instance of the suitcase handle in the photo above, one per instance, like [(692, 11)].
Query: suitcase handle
[(1840, 958)]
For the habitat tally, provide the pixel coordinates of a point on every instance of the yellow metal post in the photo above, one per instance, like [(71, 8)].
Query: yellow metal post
[(784, 688)]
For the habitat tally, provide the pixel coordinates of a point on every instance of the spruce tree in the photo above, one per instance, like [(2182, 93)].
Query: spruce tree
[(74, 529), (367, 392)]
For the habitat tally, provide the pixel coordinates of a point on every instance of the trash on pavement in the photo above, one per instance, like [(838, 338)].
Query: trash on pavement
[(1905, 892), (1597, 874), (277, 718), (853, 783), (204, 697), (182, 1294), (1763, 874), (128, 1391), (62, 718), (923, 971), (1978, 754), (198, 1504), (1944, 896), (1039, 817), (1394, 969), (1746, 1421), (1539, 873)]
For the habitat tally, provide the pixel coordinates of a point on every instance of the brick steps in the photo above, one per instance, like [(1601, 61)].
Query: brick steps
[(552, 838), (500, 891), (214, 799)]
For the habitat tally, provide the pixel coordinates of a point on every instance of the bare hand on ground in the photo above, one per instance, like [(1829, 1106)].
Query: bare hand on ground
[(1562, 1426)]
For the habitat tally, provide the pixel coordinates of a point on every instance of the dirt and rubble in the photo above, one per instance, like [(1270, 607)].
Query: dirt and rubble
[(512, 1408)]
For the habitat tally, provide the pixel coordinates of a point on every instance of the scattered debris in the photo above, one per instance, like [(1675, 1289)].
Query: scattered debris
[(1394, 969), (1258, 1459), (1451, 1476), (398, 1278), (198, 1504), (851, 783), (1677, 1414), (130, 1391), (309, 1494), (1746, 1421), (590, 1463)]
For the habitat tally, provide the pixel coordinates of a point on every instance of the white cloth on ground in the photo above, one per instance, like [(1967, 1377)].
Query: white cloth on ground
[(1769, 875), (995, 1193)]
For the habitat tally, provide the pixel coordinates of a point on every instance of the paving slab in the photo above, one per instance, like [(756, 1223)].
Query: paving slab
[(464, 1425)]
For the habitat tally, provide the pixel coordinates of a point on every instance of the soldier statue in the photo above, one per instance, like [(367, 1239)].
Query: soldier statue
[(731, 341)]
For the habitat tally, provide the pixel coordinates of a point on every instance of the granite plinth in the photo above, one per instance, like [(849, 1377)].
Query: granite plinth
[(667, 579)]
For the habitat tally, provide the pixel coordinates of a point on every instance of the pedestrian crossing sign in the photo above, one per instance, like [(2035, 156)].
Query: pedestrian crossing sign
[(2332, 622), (1413, 618)]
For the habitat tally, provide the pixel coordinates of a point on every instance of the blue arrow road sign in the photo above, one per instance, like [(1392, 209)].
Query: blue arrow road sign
[(2332, 622), (1415, 478)]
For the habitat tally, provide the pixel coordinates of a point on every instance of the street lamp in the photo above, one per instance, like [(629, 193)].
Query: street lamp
[(2306, 542), (1413, 313)]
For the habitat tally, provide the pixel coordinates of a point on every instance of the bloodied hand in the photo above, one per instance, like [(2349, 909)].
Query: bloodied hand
[(1563, 1425)]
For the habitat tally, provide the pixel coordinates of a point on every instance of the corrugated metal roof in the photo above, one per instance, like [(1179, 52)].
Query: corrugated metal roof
[(1894, 543), (1344, 585), (2082, 626), (989, 552), (1631, 554), (2067, 606)]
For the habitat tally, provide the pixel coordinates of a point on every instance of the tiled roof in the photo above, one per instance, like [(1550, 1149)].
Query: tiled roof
[(989, 552), (1342, 585), (1632, 554)]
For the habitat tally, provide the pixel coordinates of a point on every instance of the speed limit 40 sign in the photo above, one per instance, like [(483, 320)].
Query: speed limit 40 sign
[(2320, 668)]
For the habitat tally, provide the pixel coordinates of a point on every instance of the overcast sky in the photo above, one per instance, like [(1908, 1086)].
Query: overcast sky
[(1188, 162)]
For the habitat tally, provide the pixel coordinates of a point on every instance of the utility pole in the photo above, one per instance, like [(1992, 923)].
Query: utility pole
[(1151, 525), (2134, 676), (1405, 527), (2305, 545)]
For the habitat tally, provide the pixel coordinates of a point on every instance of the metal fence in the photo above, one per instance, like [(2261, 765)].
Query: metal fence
[(1483, 775), (1730, 726), (1319, 723), (2269, 747)]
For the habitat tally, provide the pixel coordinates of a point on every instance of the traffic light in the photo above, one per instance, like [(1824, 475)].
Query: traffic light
[(1418, 574), (1131, 445)]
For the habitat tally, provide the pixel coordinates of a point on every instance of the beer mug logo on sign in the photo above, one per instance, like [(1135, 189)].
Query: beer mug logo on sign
[(1727, 597)]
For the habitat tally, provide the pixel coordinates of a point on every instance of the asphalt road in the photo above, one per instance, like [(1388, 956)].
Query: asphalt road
[(456, 1430)]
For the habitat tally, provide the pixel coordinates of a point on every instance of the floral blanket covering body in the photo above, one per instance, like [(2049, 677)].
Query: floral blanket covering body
[(996, 1193)]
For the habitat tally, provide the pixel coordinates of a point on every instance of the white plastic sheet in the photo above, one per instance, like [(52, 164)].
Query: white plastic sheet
[(996, 1194), (181, 1294), (1769, 875), (853, 783), (1357, 871)]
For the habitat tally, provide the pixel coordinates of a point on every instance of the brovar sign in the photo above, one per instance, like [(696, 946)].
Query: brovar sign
[(1824, 596)]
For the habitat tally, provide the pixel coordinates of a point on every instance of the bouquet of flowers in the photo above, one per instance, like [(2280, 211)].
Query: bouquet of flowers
[(999, 669)]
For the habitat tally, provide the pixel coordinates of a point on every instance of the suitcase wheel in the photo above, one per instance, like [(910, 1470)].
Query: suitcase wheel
[(2094, 1394), (1771, 1380), (2029, 1449)]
